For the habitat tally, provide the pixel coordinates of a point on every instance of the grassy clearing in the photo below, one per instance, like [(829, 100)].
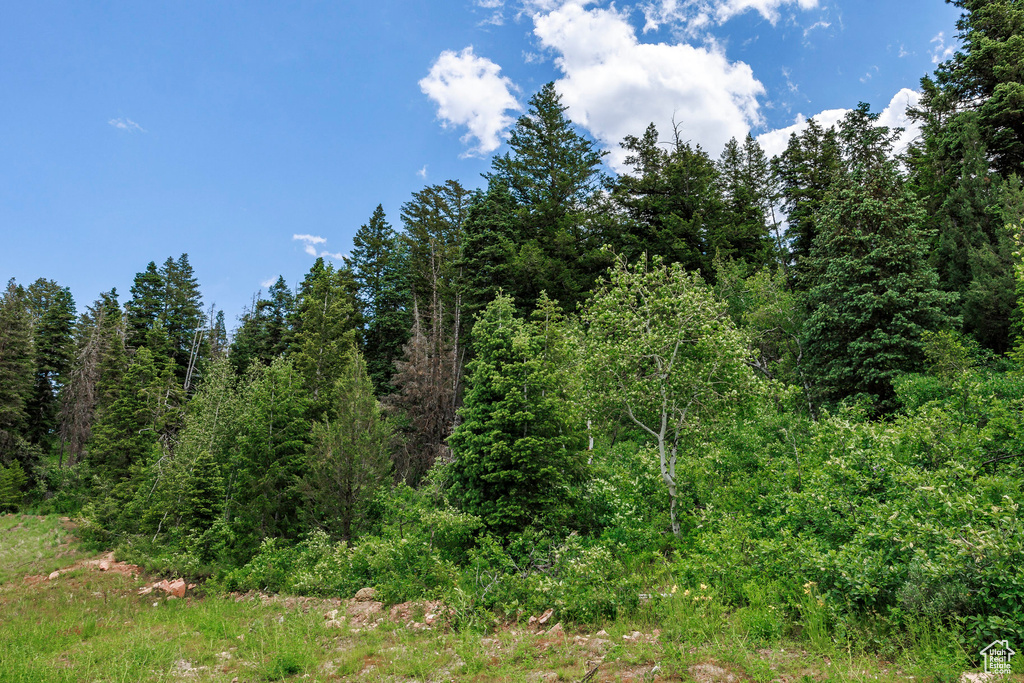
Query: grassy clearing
[(88, 625), (34, 545)]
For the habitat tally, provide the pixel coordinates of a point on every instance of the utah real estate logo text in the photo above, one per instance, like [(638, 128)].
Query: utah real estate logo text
[(997, 657)]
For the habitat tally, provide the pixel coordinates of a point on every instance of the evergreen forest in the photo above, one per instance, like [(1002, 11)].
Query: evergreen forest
[(796, 380)]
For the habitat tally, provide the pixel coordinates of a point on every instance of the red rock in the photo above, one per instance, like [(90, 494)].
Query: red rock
[(104, 565), (544, 618), (52, 576)]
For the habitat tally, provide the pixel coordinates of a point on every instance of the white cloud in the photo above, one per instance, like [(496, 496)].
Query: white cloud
[(126, 124), (469, 91), (422, 173), (816, 25), (615, 86), (788, 75), (941, 52), (268, 282), (697, 15), (894, 116), (310, 243)]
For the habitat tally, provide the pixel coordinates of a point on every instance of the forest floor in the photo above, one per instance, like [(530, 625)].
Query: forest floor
[(68, 615)]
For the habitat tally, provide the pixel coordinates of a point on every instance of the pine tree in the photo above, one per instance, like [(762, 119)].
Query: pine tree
[(182, 316), (348, 460), (671, 202), (325, 323), (553, 174), (146, 304), (266, 329), (871, 293), (426, 383), (262, 477), (380, 266), (744, 233), (217, 334), (986, 76), (806, 170), (972, 252), (518, 447), (98, 352), (488, 258), (17, 357), (53, 313), (126, 431)]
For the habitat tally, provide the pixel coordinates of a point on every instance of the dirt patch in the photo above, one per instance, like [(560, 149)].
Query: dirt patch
[(104, 563)]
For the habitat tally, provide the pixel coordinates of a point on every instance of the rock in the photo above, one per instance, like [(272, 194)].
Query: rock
[(548, 676), (968, 677), (332, 615), (145, 590), (556, 630), (366, 595), (52, 576), (544, 618), (104, 565), (532, 623), (175, 588), (602, 634), (334, 623), (598, 645), (709, 673), (363, 610)]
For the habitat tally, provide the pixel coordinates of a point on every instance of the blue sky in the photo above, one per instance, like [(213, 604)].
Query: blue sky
[(133, 132)]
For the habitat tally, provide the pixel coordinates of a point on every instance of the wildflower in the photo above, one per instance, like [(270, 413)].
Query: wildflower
[(673, 590), (686, 592), (703, 587)]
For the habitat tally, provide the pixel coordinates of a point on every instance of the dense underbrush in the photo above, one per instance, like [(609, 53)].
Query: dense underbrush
[(845, 530)]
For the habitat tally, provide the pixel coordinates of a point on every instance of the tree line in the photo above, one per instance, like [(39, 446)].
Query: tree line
[(476, 353)]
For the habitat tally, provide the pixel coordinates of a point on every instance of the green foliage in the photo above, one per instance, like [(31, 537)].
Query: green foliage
[(265, 331), (987, 75), (663, 351), (53, 314), (325, 325), (806, 170), (518, 447), (671, 204), (379, 264), (871, 293), (552, 173), (12, 484), (16, 363), (348, 459), (129, 427), (146, 305), (182, 316)]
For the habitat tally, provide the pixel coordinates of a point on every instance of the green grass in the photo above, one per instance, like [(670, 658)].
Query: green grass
[(32, 545), (89, 625)]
